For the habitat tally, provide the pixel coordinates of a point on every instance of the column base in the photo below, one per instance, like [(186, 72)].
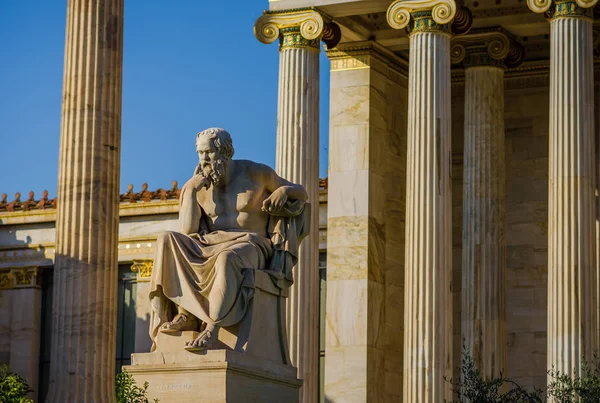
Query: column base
[(213, 376)]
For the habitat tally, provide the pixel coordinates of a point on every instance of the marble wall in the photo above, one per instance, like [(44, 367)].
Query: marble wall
[(20, 323), (365, 248), (526, 114), (365, 299)]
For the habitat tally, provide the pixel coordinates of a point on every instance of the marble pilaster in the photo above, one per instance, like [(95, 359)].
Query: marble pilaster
[(85, 271), (428, 275), (483, 53), (299, 33), (572, 277), (365, 230)]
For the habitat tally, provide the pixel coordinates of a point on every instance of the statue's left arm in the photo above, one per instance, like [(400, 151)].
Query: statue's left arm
[(281, 190)]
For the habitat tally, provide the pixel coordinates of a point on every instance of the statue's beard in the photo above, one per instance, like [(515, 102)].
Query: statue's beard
[(215, 171)]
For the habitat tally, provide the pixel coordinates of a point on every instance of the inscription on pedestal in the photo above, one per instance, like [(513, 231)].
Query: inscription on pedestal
[(175, 386)]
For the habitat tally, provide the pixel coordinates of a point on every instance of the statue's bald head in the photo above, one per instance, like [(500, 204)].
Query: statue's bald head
[(220, 139)]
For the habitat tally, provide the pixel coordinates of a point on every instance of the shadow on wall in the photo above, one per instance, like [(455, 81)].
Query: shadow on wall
[(20, 303), (142, 329), (133, 317)]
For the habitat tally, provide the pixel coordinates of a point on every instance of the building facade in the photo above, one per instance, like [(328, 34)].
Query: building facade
[(27, 259), (461, 201)]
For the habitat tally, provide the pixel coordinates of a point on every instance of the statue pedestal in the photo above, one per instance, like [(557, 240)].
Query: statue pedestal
[(213, 376), (250, 362)]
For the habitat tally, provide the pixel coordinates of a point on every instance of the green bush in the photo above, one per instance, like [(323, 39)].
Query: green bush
[(128, 391), (13, 388), (473, 388), (564, 388), (582, 389)]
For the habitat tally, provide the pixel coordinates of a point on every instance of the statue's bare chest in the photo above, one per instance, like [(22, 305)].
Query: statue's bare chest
[(241, 195)]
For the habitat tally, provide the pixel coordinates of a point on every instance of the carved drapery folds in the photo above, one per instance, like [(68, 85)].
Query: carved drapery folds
[(298, 28), (429, 15), (487, 47)]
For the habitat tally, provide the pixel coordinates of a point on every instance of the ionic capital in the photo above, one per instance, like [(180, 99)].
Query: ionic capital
[(487, 47), (143, 268), (297, 28), (24, 277), (429, 16), (562, 8), (399, 12)]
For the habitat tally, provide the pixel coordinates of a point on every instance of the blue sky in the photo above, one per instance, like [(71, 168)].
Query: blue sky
[(187, 66)]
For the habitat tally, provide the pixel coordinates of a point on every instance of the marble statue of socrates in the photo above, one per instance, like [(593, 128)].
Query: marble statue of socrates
[(235, 216)]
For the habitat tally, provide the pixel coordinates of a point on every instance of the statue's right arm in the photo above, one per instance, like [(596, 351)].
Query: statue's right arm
[(189, 208), (189, 211)]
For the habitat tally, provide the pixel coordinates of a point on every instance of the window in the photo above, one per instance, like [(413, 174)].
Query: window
[(126, 316), (45, 333), (322, 299)]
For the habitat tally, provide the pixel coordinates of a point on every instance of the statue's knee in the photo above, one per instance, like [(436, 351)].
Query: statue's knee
[(225, 259)]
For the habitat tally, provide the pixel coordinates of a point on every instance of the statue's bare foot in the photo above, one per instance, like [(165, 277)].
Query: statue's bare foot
[(204, 341), (180, 323)]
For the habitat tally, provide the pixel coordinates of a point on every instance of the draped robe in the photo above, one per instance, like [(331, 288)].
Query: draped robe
[(192, 270)]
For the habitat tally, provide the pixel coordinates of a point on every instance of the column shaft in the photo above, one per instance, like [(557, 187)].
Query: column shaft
[(428, 304), (483, 260), (85, 292), (298, 161), (572, 299)]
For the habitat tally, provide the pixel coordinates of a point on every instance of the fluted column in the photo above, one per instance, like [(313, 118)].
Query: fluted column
[(572, 278), (85, 271), (428, 298), (483, 54), (483, 263), (299, 34)]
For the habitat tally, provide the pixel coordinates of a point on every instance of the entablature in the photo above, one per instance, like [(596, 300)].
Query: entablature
[(364, 20)]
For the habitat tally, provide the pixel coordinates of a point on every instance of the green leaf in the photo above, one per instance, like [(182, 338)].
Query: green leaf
[(128, 392)]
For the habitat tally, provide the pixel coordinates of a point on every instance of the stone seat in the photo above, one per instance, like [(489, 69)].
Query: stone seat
[(261, 333)]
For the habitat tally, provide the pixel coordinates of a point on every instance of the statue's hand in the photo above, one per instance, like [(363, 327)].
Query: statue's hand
[(275, 201), (198, 181)]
